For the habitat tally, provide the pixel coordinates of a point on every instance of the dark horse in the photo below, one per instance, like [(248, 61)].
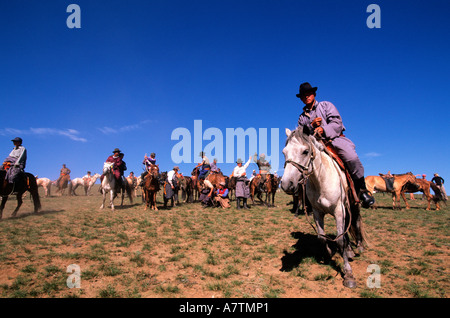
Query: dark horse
[(25, 182), (269, 186), (186, 188), (151, 187)]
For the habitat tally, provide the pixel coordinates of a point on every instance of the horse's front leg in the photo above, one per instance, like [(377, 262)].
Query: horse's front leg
[(111, 200), (19, 203), (319, 220), (2, 206), (345, 250), (104, 199), (404, 199), (154, 201)]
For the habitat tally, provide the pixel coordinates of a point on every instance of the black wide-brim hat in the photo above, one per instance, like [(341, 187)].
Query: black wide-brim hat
[(304, 89)]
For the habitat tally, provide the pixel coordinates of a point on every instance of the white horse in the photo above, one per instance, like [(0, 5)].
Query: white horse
[(46, 183), (327, 189), (75, 183), (109, 184)]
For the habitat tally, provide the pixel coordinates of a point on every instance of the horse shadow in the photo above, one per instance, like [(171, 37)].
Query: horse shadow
[(308, 246), (28, 214)]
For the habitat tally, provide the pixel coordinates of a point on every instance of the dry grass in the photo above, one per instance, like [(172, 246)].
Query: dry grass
[(192, 252)]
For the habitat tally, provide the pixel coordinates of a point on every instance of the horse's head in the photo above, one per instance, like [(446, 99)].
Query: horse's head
[(154, 170), (107, 167), (298, 153)]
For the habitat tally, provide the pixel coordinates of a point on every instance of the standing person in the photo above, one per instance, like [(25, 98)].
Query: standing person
[(170, 185), (242, 190), (323, 119), (16, 161), (440, 184), (222, 196)]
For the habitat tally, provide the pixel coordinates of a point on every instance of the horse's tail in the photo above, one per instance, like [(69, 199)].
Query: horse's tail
[(357, 228), (70, 186), (33, 189)]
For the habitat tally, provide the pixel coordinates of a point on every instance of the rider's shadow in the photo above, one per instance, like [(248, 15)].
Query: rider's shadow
[(307, 246)]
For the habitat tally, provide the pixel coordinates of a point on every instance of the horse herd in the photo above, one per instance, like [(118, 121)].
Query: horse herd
[(155, 181)]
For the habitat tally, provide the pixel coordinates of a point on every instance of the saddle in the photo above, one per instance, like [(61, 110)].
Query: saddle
[(331, 151), (389, 180)]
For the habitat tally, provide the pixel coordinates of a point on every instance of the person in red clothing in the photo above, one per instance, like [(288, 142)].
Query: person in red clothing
[(118, 164), (116, 158)]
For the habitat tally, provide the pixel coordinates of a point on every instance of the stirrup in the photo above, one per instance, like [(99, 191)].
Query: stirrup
[(367, 200)]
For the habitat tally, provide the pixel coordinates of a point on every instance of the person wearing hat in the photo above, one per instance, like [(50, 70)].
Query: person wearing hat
[(16, 161), (118, 167), (323, 119), (439, 181), (170, 186), (222, 196), (242, 190)]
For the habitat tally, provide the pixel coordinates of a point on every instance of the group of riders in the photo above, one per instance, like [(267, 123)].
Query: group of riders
[(320, 119), (211, 195)]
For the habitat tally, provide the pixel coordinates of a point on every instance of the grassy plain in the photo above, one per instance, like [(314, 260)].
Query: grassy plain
[(188, 251)]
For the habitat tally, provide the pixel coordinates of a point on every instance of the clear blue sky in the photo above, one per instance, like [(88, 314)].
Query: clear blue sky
[(138, 70)]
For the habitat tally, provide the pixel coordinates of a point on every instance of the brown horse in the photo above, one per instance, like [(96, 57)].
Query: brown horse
[(270, 186), (424, 187), (151, 187), (377, 183), (214, 177), (231, 185), (63, 183), (25, 182), (194, 184)]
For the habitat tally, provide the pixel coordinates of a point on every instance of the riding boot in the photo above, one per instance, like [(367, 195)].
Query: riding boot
[(367, 200), (245, 204), (238, 203)]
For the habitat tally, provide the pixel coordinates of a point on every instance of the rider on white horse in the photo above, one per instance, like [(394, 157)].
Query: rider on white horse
[(323, 119)]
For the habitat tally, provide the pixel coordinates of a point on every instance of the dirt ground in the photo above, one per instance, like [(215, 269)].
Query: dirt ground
[(190, 252)]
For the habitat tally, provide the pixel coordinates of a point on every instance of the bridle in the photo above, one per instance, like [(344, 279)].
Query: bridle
[(304, 169)]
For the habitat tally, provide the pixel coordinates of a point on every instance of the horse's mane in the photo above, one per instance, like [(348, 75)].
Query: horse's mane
[(304, 138)]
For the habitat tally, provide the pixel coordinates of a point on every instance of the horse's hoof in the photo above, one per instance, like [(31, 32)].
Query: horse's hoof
[(350, 282), (351, 254)]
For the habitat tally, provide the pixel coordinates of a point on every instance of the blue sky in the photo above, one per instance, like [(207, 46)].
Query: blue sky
[(137, 70)]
